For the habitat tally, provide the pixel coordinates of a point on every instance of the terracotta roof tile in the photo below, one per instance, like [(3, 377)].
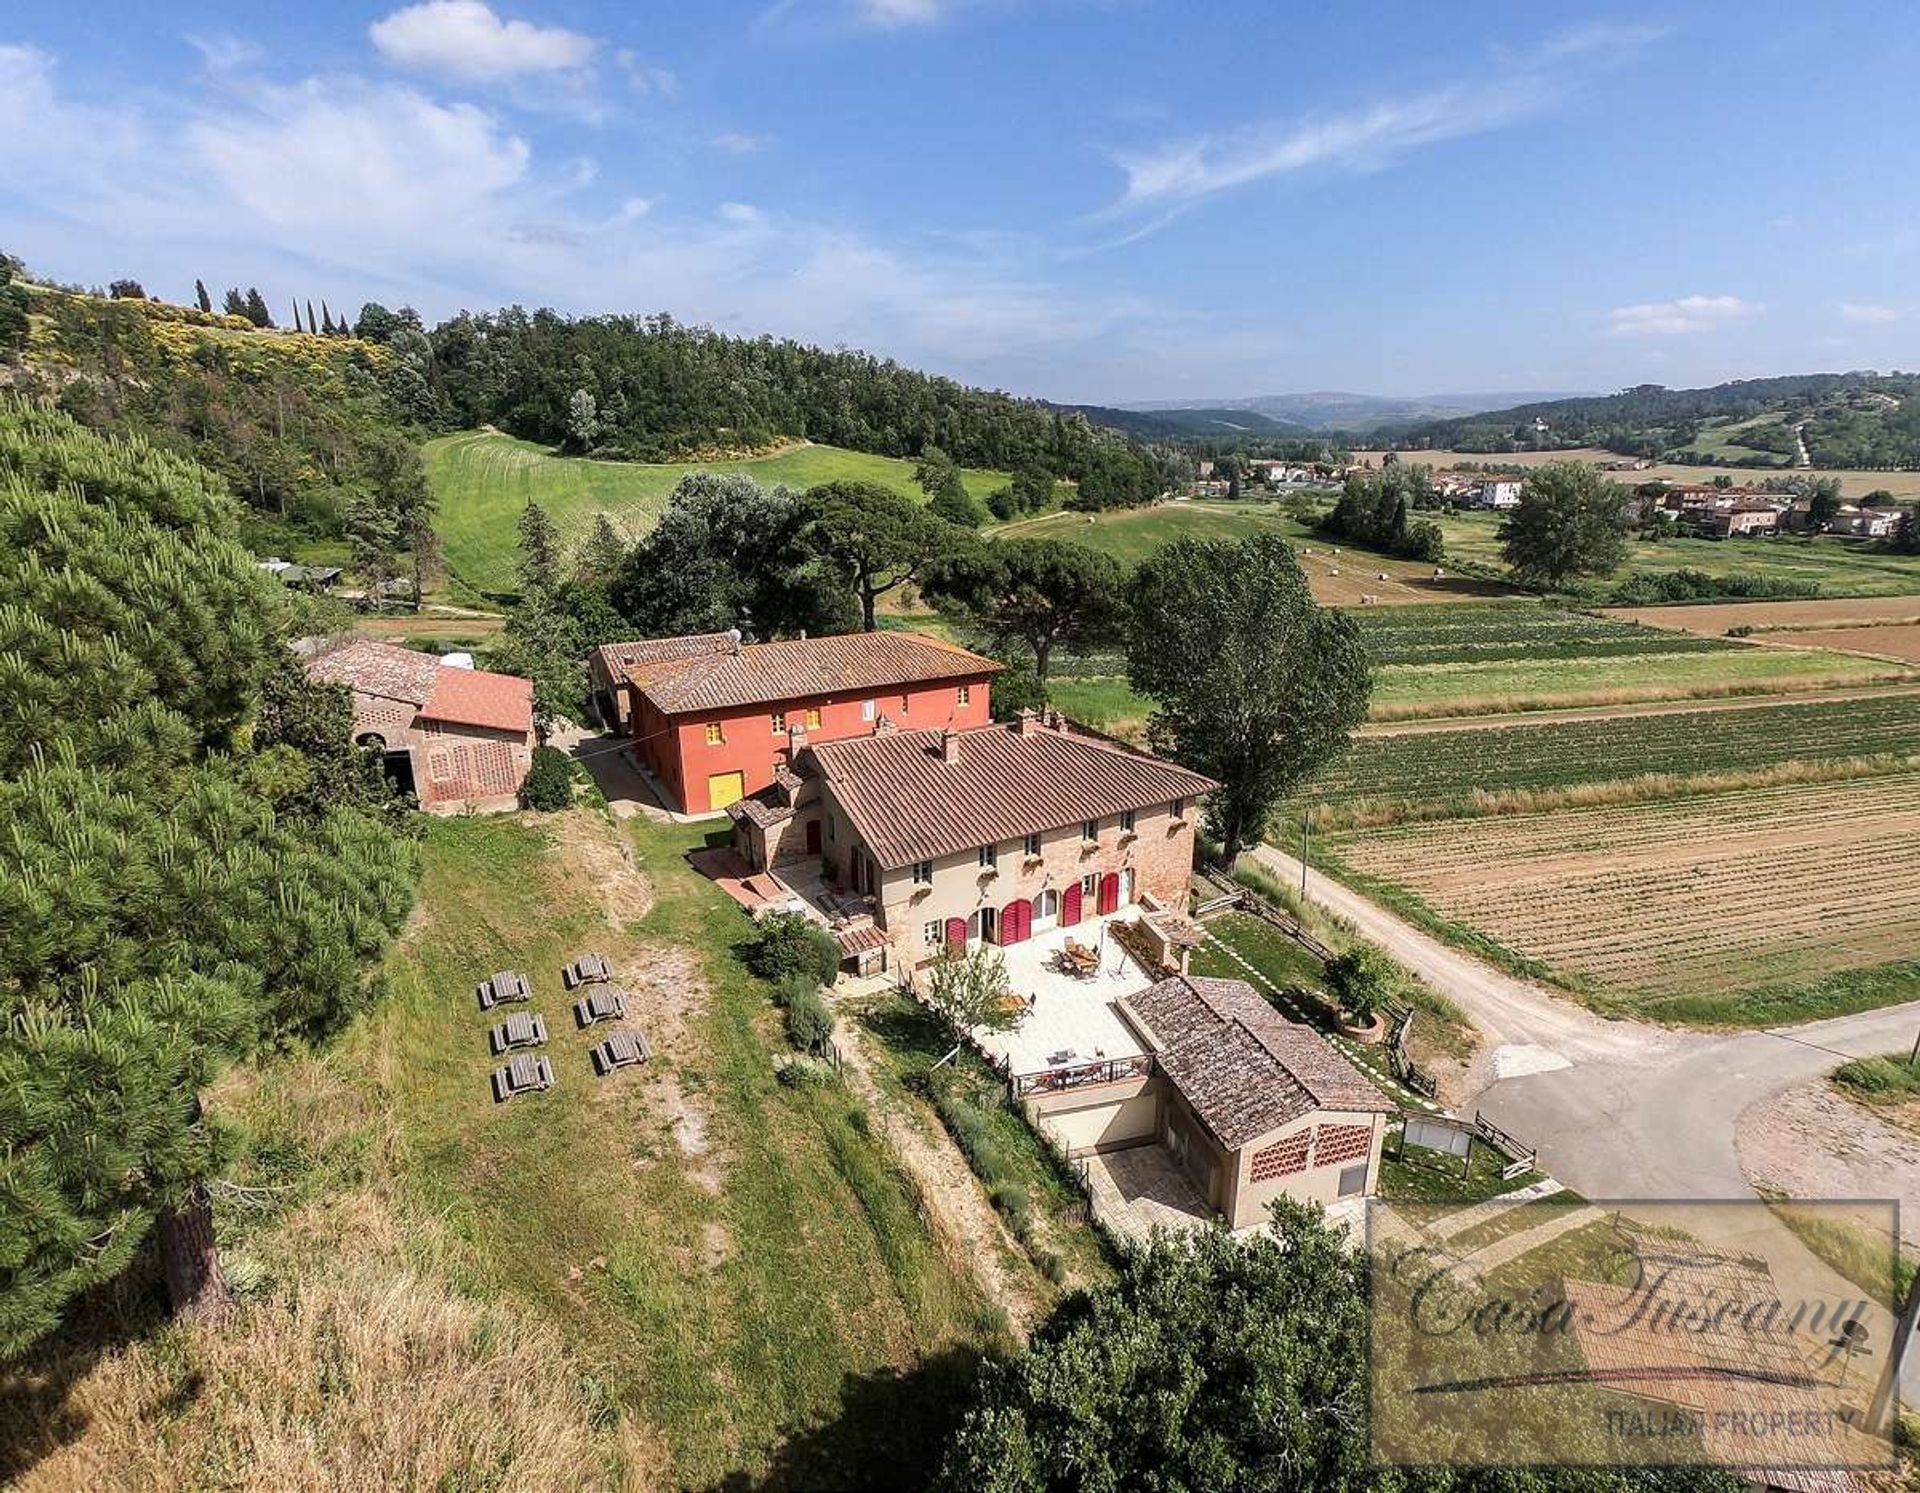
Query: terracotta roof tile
[(1244, 1068), (909, 804), (801, 668), (474, 697), (615, 661), (382, 669)]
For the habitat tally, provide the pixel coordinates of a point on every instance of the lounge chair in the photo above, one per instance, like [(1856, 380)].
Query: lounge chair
[(620, 1050), (602, 1003), (507, 985), (522, 1029), (587, 969), (523, 1074)]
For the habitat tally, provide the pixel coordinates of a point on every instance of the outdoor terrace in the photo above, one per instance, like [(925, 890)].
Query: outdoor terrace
[(1072, 1023)]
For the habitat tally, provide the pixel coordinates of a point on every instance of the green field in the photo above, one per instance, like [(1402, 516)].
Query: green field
[(1492, 631), (1840, 567), (1132, 534), (484, 479)]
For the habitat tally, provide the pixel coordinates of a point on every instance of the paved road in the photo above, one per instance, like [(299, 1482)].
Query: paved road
[(1626, 1110), (1617, 1108)]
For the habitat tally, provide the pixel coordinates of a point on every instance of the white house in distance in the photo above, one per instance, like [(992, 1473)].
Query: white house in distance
[(1497, 492)]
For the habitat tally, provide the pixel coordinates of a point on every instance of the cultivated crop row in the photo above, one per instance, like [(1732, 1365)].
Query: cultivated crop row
[(1451, 766), (1490, 632)]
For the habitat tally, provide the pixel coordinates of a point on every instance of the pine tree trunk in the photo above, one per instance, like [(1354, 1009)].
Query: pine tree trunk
[(196, 1285)]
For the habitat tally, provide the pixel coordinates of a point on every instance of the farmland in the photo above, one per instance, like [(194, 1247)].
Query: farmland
[(1131, 535), (483, 480), (1838, 567), (1855, 483), (1473, 769), (1683, 908)]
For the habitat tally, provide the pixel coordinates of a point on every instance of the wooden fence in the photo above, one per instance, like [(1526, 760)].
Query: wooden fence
[(1520, 1156)]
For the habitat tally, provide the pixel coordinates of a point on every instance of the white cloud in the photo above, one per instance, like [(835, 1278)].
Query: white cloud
[(380, 164), (465, 39), (1677, 318), (366, 189), (1171, 176), (1866, 314), (897, 13), (644, 76), (738, 143)]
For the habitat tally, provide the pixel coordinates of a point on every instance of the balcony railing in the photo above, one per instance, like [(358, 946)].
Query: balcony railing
[(1080, 1075)]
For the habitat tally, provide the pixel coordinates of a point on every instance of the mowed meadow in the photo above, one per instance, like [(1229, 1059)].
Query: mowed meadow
[(483, 480)]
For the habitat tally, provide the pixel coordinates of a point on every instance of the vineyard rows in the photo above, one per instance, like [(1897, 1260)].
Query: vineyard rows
[(1446, 766), (1492, 632)]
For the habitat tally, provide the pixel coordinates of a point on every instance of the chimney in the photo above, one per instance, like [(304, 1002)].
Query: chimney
[(733, 640), (949, 746), (1026, 723), (796, 741), (883, 726)]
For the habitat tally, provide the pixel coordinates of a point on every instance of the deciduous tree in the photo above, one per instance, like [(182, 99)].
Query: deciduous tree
[(1570, 522), (1258, 686)]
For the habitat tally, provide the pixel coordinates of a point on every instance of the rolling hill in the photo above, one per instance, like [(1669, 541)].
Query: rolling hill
[(1860, 419)]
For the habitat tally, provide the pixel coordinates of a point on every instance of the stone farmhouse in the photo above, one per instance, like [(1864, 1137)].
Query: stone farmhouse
[(957, 838), (713, 719), (458, 737)]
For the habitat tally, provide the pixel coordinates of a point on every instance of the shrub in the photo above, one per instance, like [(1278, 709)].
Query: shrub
[(549, 783), (789, 944), (803, 1073), (809, 1022), (1360, 979)]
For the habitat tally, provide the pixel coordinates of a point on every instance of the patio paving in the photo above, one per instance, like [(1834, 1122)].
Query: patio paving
[(1070, 1014), (1143, 1188)]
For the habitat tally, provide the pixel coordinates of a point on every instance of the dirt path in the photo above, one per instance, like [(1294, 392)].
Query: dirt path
[(971, 1233), (1812, 1142), (1429, 724)]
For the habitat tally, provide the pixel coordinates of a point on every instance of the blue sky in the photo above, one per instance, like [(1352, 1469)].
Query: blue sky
[(1083, 199)]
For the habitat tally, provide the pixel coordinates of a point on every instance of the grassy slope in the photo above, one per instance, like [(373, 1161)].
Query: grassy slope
[(483, 480), (1133, 534), (827, 1273)]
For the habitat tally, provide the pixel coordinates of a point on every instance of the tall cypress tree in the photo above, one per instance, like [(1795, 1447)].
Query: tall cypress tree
[(202, 297), (256, 309)]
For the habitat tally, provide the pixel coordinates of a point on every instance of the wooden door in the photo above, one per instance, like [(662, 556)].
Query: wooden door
[(725, 788), (1109, 892), (1070, 906), (813, 837)]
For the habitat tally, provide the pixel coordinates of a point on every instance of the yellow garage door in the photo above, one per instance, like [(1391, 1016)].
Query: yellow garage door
[(725, 788)]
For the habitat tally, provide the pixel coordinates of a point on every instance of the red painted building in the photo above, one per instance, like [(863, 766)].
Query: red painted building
[(725, 720)]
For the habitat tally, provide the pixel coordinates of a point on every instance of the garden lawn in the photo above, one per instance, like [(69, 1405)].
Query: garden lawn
[(1132, 534), (729, 1259), (483, 480)]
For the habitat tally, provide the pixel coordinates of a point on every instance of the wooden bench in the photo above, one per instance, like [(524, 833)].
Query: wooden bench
[(524, 1074), (620, 1050), (587, 969), (602, 1003), (505, 986), (522, 1029)]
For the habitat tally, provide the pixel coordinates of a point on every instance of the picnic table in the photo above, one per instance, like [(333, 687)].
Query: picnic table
[(523, 1074), (587, 969), (602, 1003), (502, 987), (620, 1050), (1081, 960), (521, 1029)]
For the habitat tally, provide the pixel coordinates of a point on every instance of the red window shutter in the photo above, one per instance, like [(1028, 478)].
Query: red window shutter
[(1070, 906), (956, 933), (1026, 917), (1010, 929), (1110, 892)]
